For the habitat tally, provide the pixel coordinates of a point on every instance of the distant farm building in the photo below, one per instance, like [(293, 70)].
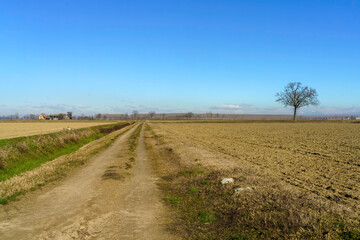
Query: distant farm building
[(52, 117), (48, 117)]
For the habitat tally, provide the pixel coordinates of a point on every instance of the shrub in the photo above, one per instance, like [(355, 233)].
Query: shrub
[(22, 147)]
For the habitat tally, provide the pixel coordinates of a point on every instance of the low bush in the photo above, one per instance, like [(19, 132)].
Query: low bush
[(22, 147)]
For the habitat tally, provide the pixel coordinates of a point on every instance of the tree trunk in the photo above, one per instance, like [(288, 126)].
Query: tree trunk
[(294, 117)]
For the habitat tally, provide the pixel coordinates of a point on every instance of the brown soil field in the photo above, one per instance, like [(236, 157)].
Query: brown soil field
[(322, 159), (9, 129)]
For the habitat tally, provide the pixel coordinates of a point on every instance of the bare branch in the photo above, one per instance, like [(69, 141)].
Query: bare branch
[(297, 96)]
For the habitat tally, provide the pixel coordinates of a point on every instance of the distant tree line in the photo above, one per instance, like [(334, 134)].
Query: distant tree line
[(174, 116)]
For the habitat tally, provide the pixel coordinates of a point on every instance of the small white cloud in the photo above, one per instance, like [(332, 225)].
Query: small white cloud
[(229, 106)]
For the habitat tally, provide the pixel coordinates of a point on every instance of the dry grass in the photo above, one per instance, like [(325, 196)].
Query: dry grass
[(12, 129), (285, 202), (4, 155)]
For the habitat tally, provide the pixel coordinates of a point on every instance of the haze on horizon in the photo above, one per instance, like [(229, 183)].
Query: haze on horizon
[(165, 56)]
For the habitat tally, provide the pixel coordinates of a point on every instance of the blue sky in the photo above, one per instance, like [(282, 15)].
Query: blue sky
[(177, 56)]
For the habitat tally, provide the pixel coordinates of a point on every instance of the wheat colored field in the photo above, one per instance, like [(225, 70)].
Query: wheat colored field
[(9, 129), (320, 158)]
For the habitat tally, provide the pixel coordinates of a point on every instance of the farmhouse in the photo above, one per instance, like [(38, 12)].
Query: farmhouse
[(48, 117), (53, 116)]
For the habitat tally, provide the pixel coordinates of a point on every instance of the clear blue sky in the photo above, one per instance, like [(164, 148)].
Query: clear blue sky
[(176, 56)]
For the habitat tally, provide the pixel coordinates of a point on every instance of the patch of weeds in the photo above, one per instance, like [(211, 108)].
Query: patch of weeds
[(204, 182), (76, 163), (193, 190), (3, 201), (12, 198), (189, 172), (196, 160), (353, 234), (22, 147), (243, 236), (128, 166), (172, 200), (132, 159), (169, 149), (206, 217), (2, 164), (111, 175)]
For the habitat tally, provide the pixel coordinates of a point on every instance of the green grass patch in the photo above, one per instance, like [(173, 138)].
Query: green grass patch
[(206, 217), (172, 200), (193, 190), (204, 182), (12, 198), (354, 234)]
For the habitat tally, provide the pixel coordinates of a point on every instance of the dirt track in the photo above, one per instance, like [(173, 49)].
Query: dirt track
[(101, 200)]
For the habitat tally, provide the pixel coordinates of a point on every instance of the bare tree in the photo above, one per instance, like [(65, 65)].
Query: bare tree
[(297, 96), (189, 115), (135, 113), (151, 114), (98, 116), (69, 114), (61, 116)]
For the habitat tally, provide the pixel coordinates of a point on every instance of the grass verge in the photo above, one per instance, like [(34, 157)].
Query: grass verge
[(26, 153), (11, 188)]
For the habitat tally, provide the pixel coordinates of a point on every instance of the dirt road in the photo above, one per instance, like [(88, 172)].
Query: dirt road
[(102, 200)]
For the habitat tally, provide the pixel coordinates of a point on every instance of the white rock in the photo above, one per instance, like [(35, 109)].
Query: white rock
[(69, 129), (227, 180), (238, 190)]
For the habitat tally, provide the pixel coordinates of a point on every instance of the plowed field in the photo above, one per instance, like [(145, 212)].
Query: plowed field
[(322, 158), (9, 129)]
